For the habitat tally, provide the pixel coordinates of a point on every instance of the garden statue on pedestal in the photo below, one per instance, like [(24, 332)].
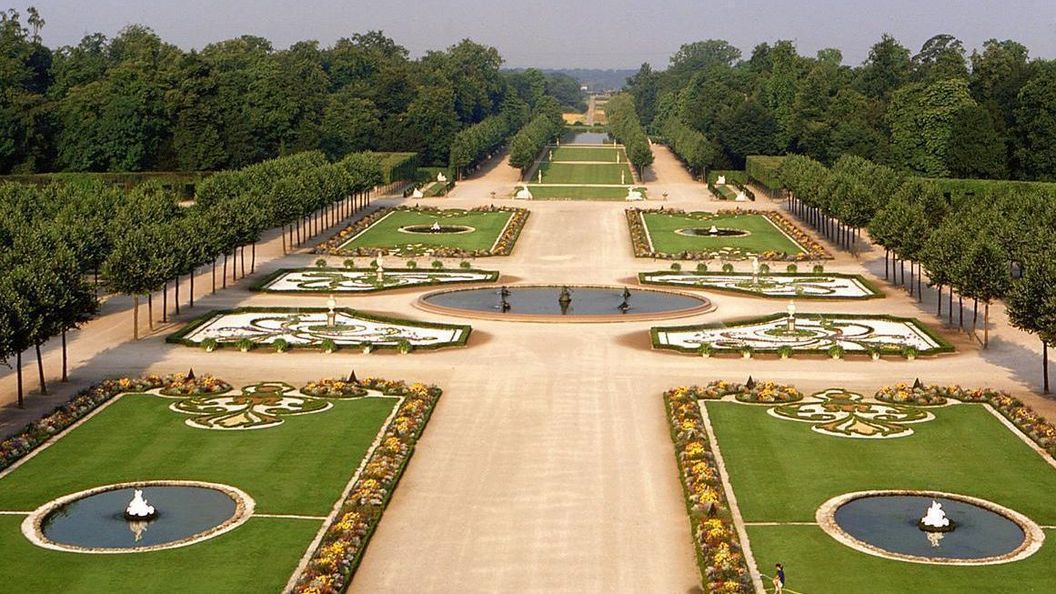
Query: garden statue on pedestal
[(523, 194), (755, 271), (417, 193), (440, 177), (634, 195), (791, 317), (380, 273), (331, 315), (741, 196), (721, 181)]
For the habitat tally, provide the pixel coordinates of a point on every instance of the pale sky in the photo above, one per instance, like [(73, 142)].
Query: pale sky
[(582, 34)]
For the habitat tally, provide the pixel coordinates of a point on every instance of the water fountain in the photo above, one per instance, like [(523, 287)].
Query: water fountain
[(138, 509), (935, 519), (713, 230)]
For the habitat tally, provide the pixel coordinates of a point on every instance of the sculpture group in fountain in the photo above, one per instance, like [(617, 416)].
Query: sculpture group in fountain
[(935, 519), (139, 509)]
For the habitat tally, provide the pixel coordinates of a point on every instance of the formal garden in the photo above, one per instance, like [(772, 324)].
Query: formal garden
[(764, 283), (790, 334), (325, 329), (264, 504), (727, 234), (772, 474), (322, 279), (416, 231)]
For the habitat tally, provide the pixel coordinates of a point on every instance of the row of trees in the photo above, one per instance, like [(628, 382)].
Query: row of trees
[(53, 238), (475, 143), (625, 127), (1001, 245), (940, 112), (137, 103), (546, 124), (690, 144)]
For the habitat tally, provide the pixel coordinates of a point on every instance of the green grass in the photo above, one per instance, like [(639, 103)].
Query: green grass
[(386, 234), (781, 471), (299, 467), (600, 173), (579, 193), (764, 236), (575, 153), (726, 192)]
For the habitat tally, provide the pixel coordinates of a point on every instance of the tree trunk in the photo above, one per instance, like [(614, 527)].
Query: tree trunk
[(18, 373), (192, 287), (986, 324), (887, 257), (1045, 366), (282, 233), (920, 286), (135, 317), (40, 371), (960, 316), (951, 305), (243, 251), (150, 311), (975, 314), (165, 302), (177, 294), (939, 300), (213, 273), (253, 260), (224, 275), (65, 377)]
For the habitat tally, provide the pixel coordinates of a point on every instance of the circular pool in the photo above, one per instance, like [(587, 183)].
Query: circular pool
[(93, 521), (553, 303), (442, 229), (710, 232), (886, 524)]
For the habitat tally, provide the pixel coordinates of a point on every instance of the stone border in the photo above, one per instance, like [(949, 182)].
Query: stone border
[(463, 229), (706, 306), (1034, 536), (32, 526)]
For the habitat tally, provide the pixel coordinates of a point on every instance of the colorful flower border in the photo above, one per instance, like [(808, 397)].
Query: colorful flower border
[(503, 246), (261, 286), (334, 561), (720, 557), (643, 247), (875, 292)]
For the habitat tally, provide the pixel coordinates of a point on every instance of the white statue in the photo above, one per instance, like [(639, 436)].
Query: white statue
[(331, 316), (623, 177), (755, 269), (417, 193), (935, 518), (721, 181), (741, 197), (713, 231), (524, 194), (540, 176), (435, 228), (617, 156), (440, 177), (634, 194), (380, 272), (791, 322), (139, 509)]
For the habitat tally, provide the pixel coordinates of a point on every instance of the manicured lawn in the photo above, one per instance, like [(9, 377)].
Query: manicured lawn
[(386, 232), (578, 153), (579, 193), (781, 471), (575, 173), (763, 235), (299, 467)]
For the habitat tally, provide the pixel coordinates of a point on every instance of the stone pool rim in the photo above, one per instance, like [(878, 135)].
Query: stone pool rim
[(427, 229), (1033, 535), (33, 525), (705, 306)]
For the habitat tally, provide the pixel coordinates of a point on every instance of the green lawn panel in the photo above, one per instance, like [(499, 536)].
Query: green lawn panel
[(764, 236), (575, 153), (585, 173), (386, 232)]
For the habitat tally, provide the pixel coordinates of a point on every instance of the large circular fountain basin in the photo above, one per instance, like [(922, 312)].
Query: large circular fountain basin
[(886, 524), (543, 303), (93, 521)]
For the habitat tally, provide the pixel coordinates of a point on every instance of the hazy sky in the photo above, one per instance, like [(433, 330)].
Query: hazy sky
[(585, 33)]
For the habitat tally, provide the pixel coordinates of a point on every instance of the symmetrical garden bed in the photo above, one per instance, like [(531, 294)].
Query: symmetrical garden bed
[(781, 473), (832, 334), (317, 501), (365, 280), (283, 327), (800, 285), (405, 231), (677, 235)]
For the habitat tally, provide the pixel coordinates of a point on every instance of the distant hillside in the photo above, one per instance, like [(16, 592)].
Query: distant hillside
[(597, 80)]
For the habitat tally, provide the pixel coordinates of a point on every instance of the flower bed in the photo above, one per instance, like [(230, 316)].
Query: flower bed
[(335, 560), (643, 247), (36, 433), (333, 388), (188, 385), (503, 246), (719, 554), (759, 392)]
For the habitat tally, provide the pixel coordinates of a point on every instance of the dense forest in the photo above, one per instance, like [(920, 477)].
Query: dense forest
[(939, 112), (137, 103)]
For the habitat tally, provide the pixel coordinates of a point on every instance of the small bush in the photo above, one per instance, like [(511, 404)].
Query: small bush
[(280, 345), (321, 263), (465, 265), (836, 351), (727, 267), (675, 266), (437, 265), (245, 345), (764, 269), (350, 263), (791, 268), (702, 267), (373, 264), (210, 345), (412, 264), (785, 351), (404, 346), (818, 269), (328, 345), (705, 350)]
